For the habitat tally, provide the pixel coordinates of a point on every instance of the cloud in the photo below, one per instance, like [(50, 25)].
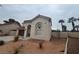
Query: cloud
[(23, 12)]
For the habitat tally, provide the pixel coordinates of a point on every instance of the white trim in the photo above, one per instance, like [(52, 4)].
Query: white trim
[(66, 46)]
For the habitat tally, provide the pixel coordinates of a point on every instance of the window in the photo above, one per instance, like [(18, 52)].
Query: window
[(38, 28), (21, 32)]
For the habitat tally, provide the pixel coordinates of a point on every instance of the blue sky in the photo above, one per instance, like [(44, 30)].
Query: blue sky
[(22, 12)]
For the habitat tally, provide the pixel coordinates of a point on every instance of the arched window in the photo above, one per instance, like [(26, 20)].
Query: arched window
[(38, 28)]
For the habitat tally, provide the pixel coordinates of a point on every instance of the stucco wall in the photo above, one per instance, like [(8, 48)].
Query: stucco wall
[(74, 34), (13, 33), (46, 29), (7, 38), (64, 34), (73, 43), (59, 34), (7, 28)]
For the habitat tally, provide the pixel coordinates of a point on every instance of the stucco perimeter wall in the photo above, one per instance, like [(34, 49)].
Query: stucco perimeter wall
[(46, 29), (59, 34), (7, 38), (74, 34), (64, 34)]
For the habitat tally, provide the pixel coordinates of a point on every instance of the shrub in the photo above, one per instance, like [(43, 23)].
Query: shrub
[(1, 42), (16, 38), (62, 51), (40, 44), (16, 51)]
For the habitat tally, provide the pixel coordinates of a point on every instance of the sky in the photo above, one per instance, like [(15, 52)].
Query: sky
[(21, 12)]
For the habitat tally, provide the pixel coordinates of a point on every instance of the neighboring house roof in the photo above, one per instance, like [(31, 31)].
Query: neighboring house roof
[(41, 16), (27, 21), (20, 28), (10, 23)]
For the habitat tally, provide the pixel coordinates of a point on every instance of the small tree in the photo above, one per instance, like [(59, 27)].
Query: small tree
[(61, 21), (64, 28), (72, 20)]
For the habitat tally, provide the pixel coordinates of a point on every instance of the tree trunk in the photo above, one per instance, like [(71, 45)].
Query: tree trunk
[(77, 28), (73, 26), (62, 26)]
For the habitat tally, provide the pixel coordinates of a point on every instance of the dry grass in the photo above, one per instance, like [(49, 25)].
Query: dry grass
[(32, 46)]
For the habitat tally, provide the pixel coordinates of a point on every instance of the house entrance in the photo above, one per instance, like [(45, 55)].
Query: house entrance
[(28, 31)]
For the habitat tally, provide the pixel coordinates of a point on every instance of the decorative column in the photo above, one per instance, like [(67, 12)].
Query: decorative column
[(17, 32), (25, 33)]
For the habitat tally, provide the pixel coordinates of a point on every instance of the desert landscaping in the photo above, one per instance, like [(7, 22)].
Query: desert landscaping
[(38, 34), (33, 46), (56, 45)]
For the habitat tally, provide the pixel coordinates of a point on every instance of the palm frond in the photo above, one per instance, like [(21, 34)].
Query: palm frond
[(61, 21), (72, 19)]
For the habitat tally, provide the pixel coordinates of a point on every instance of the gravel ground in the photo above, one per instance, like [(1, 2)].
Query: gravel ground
[(33, 47)]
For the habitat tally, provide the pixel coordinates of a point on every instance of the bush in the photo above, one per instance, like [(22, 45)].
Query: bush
[(16, 51), (40, 44), (62, 51), (1, 42), (16, 38)]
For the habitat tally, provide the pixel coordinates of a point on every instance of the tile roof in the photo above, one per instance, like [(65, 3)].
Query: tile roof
[(10, 23), (45, 17)]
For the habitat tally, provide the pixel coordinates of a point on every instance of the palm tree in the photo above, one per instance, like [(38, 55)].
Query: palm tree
[(61, 21), (71, 20), (5, 21)]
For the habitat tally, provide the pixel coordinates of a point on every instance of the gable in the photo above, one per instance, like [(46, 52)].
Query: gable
[(41, 16), (38, 16)]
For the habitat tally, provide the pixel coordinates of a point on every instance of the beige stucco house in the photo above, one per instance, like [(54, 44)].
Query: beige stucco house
[(38, 28), (10, 29)]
